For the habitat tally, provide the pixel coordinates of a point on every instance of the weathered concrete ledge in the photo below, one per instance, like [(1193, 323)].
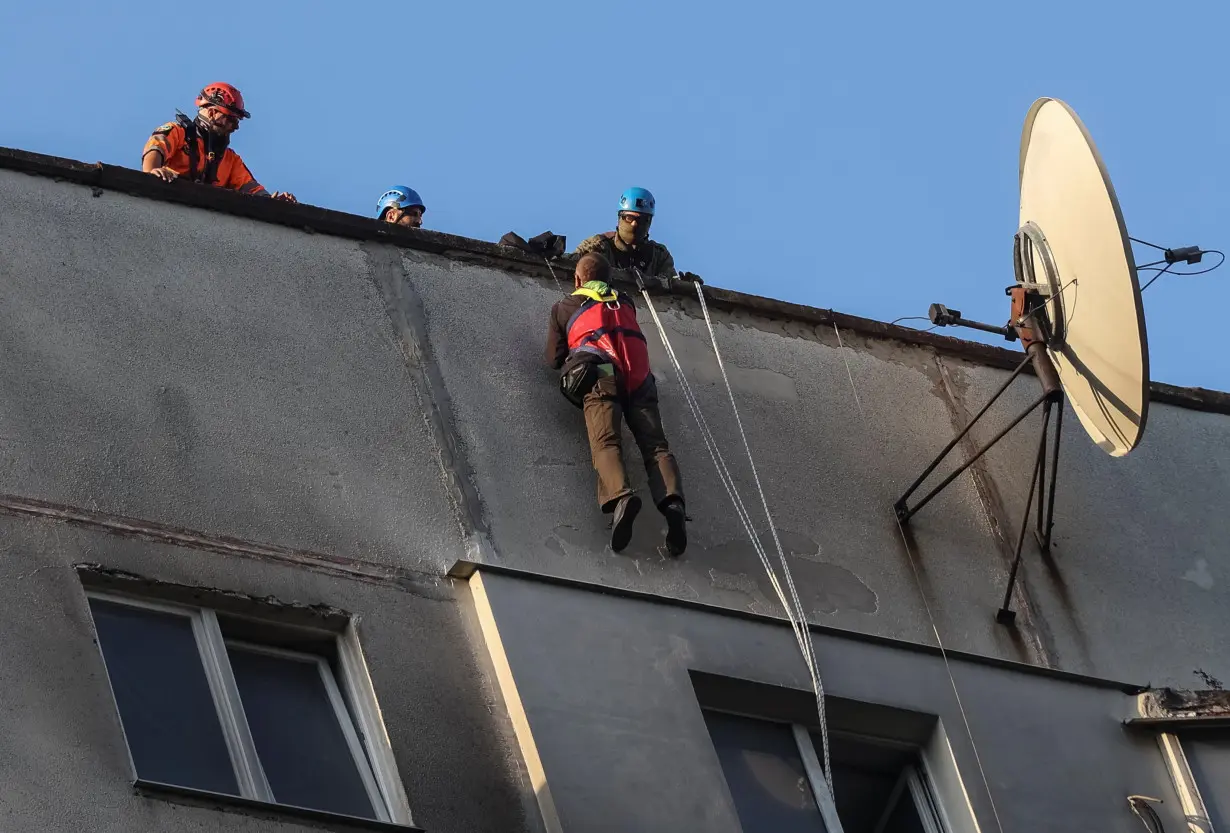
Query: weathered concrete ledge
[(312, 219)]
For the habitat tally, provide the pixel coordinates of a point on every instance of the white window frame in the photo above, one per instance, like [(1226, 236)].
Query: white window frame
[(1184, 781), (360, 723), (339, 711), (911, 781), (815, 777)]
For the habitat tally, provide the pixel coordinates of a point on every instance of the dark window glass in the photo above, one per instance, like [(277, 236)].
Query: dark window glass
[(765, 774), (1208, 755), (904, 818), (295, 728), (166, 708)]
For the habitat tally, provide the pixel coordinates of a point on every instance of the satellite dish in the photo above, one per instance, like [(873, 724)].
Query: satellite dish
[(1076, 309), (1076, 236)]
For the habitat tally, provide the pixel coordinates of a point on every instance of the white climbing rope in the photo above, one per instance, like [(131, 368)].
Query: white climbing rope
[(791, 603), (808, 648), (554, 277)]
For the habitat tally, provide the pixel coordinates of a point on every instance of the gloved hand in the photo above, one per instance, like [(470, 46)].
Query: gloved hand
[(286, 196), (690, 276)]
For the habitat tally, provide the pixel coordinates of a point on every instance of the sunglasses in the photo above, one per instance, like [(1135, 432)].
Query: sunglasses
[(233, 112)]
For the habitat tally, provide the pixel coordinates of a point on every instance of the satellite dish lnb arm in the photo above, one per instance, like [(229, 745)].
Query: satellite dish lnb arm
[(942, 316)]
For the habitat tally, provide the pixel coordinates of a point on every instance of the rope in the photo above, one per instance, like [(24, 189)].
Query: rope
[(558, 285), (809, 650), (792, 605), (926, 605)]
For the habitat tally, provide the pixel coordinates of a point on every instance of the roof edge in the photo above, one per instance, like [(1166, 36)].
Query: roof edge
[(313, 219)]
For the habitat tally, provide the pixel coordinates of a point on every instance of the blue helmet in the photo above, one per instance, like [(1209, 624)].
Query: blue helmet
[(399, 196), (638, 200)]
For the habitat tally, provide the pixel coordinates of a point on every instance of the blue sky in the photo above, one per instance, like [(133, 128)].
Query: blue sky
[(854, 156)]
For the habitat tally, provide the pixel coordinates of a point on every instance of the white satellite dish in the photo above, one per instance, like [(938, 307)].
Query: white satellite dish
[(1100, 348), (1076, 308)]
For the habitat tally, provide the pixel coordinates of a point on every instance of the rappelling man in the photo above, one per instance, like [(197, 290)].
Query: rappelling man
[(594, 337), (199, 149)]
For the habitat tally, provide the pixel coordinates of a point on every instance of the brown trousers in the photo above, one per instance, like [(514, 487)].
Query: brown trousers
[(604, 410)]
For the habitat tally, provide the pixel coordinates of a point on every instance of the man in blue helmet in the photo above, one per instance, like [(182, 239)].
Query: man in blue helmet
[(629, 245), (401, 206)]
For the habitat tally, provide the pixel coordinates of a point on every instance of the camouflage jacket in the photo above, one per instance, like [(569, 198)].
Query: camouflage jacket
[(654, 259)]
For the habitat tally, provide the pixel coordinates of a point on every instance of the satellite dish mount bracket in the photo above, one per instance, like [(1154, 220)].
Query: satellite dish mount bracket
[(1037, 321)]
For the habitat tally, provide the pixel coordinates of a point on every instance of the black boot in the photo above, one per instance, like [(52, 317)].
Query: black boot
[(621, 524), (676, 526)]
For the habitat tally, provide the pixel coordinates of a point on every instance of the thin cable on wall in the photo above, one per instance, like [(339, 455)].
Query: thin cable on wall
[(914, 318), (923, 595), (1142, 808)]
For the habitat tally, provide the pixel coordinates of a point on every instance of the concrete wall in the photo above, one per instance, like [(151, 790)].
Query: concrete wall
[(1055, 753), (383, 412), (209, 372), (1136, 559), (314, 392)]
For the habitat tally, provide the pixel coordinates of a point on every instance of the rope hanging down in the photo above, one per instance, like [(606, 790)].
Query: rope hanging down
[(790, 601), (554, 277)]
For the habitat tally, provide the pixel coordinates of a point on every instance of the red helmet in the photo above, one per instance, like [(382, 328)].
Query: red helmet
[(222, 95)]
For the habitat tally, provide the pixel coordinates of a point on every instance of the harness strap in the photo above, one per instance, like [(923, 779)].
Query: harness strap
[(602, 331), (210, 174), (190, 136)]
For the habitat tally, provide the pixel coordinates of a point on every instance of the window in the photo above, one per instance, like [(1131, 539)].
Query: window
[(775, 777), (245, 708)]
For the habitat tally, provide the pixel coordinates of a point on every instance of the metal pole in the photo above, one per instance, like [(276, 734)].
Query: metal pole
[(903, 514), (1044, 533), (1042, 480), (1005, 615), (978, 325)]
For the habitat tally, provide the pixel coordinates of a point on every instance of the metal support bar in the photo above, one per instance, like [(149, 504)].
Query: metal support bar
[(901, 506), (1043, 532), (905, 512), (1001, 330), (1041, 485), (1006, 615)]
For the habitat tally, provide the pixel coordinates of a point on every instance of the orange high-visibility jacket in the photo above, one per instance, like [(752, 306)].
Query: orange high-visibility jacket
[(228, 172)]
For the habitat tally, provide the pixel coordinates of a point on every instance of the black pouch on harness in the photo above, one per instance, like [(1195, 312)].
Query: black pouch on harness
[(577, 381)]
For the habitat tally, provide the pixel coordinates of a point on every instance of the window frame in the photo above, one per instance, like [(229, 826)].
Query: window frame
[(914, 779), (353, 700), (815, 778), (1183, 779)]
